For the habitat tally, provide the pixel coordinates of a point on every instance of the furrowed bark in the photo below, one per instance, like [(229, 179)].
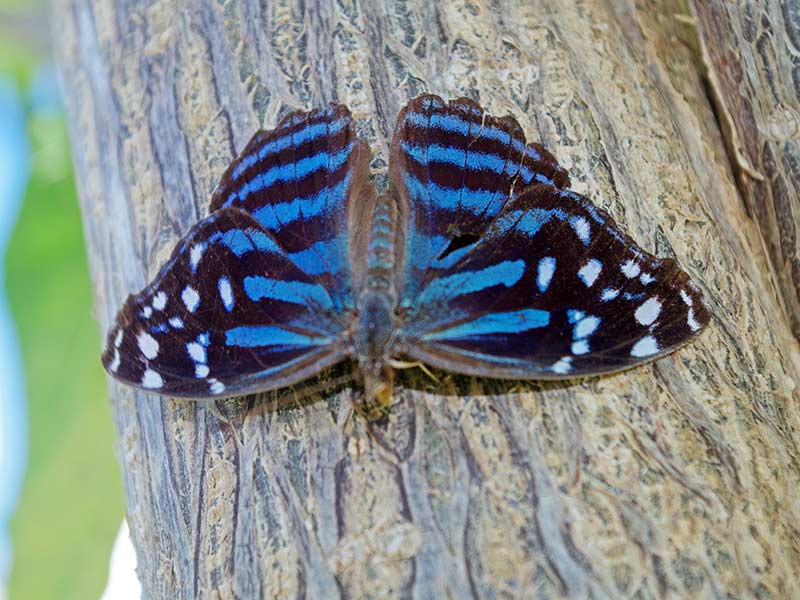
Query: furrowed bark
[(751, 51), (674, 479)]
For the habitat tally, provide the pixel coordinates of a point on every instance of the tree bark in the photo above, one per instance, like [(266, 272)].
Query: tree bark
[(674, 479), (751, 51)]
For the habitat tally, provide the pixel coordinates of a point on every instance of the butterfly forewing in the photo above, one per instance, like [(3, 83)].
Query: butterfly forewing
[(454, 168), (302, 182), (229, 313), (552, 289)]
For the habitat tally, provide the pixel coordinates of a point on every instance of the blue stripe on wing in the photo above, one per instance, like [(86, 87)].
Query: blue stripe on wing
[(475, 161), (443, 289), (298, 181), (307, 133), (308, 260), (452, 199), (512, 321), (456, 124), (279, 214), (266, 336), (578, 298), (240, 241), (312, 295), (455, 167), (295, 171), (212, 323)]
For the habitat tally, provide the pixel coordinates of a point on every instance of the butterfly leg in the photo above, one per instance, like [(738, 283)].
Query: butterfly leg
[(347, 418), (377, 394), (402, 364), (368, 412)]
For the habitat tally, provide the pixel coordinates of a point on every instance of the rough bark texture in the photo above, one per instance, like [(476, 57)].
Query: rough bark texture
[(752, 53), (678, 478)]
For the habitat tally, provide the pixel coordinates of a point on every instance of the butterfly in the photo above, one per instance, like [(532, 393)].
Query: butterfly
[(477, 259)]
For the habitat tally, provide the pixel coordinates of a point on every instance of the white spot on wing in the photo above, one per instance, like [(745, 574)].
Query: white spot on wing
[(586, 327), (580, 347), (160, 301), (609, 294), (195, 254), (590, 271), (148, 345), (630, 269), (190, 298), (687, 299), (581, 227), (648, 312), (147, 311), (196, 351), (114, 364), (545, 271), (563, 365), (645, 347), (225, 292), (216, 387), (151, 379), (118, 339), (176, 322), (691, 321), (201, 371), (646, 278)]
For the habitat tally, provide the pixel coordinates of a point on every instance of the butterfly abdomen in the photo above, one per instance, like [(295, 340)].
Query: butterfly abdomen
[(382, 248), (376, 324)]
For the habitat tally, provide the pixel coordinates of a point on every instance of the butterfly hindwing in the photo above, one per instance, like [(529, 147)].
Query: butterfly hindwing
[(302, 181), (553, 289), (454, 168), (229, 313)]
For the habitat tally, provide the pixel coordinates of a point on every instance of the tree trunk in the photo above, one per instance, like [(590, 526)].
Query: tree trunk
[(751, 51), (677, 478)]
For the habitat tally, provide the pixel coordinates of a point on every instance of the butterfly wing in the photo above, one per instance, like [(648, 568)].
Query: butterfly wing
[(229, 313), (304, 182), (453, 168), (552, 289), (256, 296)]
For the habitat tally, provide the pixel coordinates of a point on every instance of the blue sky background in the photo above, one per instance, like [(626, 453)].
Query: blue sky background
[(14, 170)]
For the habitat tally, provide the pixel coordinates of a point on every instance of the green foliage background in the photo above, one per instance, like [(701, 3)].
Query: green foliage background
[(71, 504)]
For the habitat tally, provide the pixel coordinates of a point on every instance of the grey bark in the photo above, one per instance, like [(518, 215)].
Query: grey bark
[(751, 53)]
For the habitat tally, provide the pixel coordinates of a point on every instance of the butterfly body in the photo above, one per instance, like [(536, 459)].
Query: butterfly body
[(477, 259), (374, 339)]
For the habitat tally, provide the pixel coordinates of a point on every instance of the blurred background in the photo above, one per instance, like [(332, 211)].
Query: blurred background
[(61, 500)]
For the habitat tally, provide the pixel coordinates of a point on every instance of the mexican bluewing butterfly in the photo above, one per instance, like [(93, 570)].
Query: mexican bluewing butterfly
[(478, 260)]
